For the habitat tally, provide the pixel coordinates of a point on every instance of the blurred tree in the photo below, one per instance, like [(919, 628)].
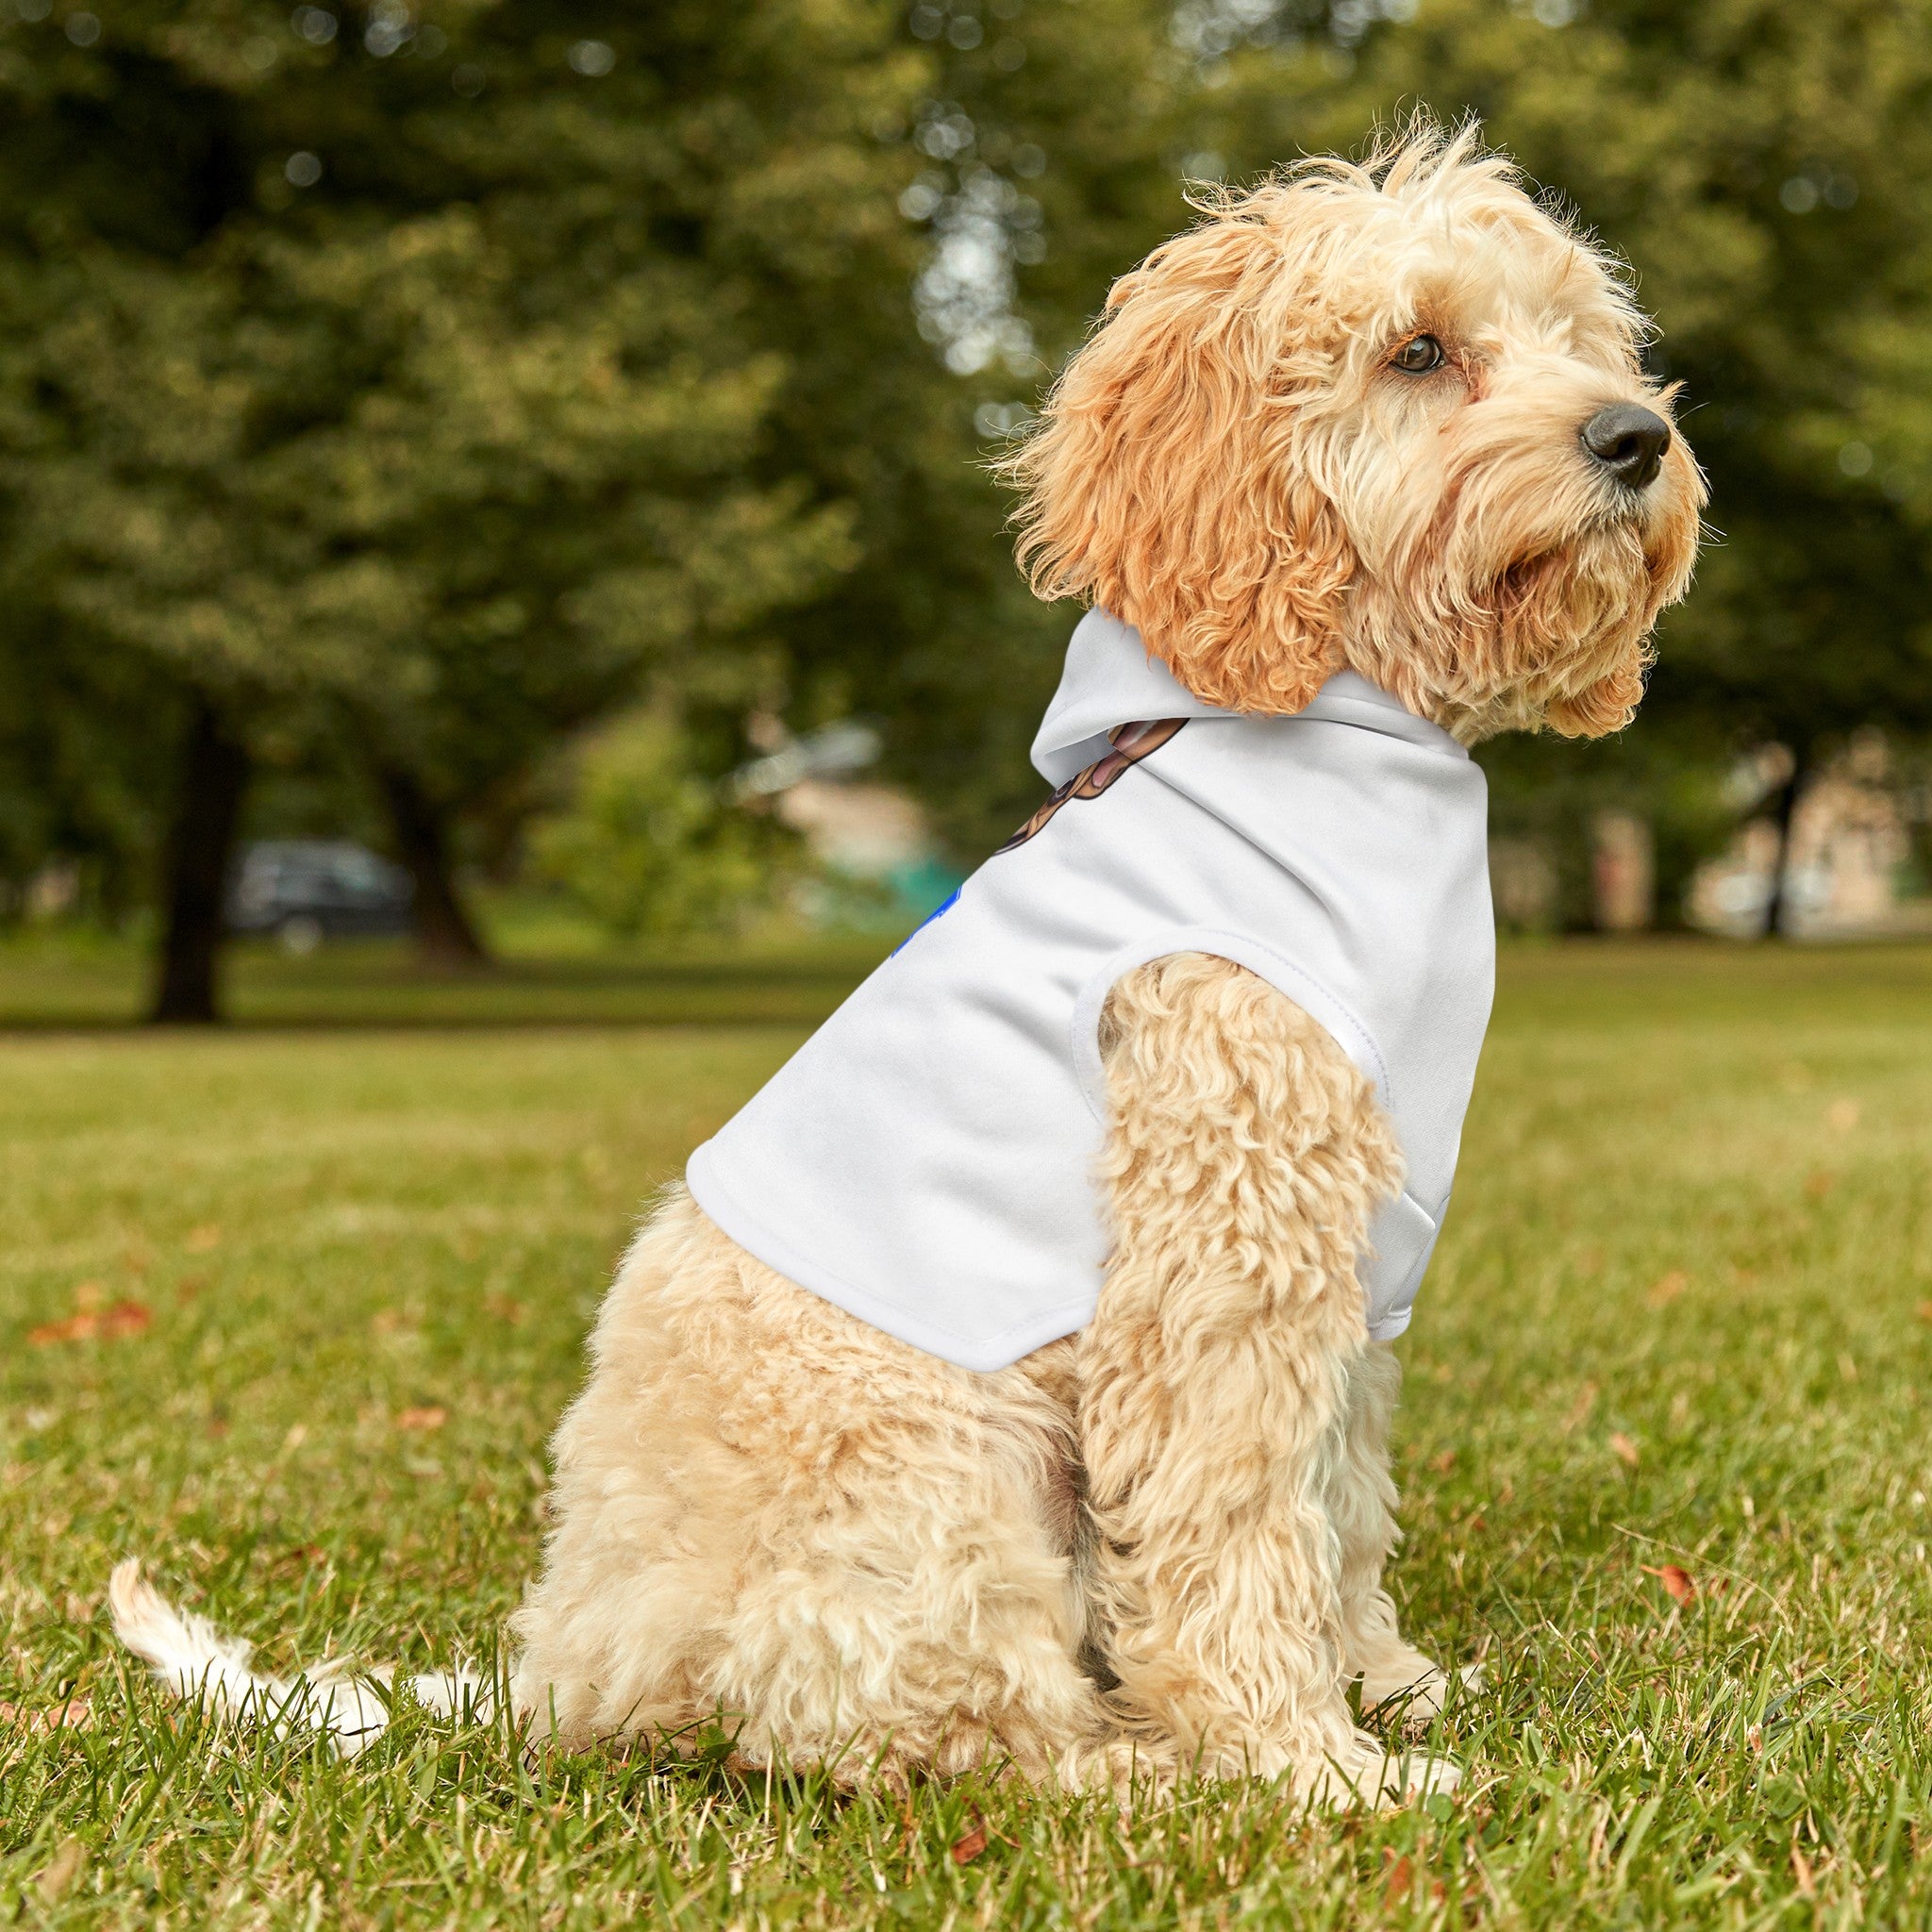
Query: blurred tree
[(424, 383), (1555, 794), (647, 844), (1048, 144), (415, 377), (79, 766)]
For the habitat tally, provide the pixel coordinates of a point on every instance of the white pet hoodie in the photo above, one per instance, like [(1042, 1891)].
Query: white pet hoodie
[(926, 1160)]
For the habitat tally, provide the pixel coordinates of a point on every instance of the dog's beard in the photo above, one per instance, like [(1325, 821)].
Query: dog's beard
[(1554, 636), (1568, 630)]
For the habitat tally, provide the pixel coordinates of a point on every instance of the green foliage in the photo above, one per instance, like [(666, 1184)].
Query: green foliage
[(1044, 155), (1669, 1227), (650, 847), (1552, 791), (424, 385), (405, 381), (83, 743)]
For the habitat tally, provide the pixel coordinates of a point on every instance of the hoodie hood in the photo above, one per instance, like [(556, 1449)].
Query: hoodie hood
[(1111, 679)]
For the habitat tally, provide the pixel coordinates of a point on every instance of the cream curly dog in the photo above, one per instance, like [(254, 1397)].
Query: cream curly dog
[(1386, 419)]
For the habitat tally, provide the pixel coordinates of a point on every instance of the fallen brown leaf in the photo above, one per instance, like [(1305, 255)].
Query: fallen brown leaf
[(75, 1329), (1667, 1289), (124, 1318), (1586, 1401), (1399, 1881), (1678, 1584), (427, 1417), (505, 1307), (969, 1847), (1925, 1311), (76, 1714), (1444, 1463), (1624, 1449)]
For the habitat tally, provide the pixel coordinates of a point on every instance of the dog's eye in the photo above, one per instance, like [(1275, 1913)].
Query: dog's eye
[(1417, 355)]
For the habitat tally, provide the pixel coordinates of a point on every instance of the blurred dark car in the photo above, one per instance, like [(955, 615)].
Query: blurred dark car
[(305, 891)]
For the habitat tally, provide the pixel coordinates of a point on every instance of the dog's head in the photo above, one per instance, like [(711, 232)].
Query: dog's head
[(1387, 416)]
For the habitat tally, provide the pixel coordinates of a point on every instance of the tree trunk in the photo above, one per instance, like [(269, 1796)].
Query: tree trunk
[(1777, 906), (200, 843), (445, 938)]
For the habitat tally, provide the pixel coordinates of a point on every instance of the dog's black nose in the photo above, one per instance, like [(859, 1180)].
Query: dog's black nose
[(1629, 441)]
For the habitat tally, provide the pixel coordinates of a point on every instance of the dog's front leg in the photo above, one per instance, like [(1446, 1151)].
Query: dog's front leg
[(1245, 1158), (1395, 1676)]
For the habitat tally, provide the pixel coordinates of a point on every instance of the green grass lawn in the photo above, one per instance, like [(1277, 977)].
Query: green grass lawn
[(1679, 1318), (63, 980)]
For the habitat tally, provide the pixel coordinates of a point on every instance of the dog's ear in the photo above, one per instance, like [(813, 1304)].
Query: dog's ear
[(1168, 479)]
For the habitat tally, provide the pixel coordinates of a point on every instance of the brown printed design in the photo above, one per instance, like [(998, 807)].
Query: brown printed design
[(1131, 743)]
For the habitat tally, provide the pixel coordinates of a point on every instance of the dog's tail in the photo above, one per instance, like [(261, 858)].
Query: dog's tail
[(194, 1660)]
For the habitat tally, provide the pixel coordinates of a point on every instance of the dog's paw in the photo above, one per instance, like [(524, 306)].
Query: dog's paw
[(1367, 1772), (1413, 1692), (1416, 1775), (1413, 1697)]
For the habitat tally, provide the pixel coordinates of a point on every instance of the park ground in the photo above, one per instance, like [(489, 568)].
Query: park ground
[(289, 1310)]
